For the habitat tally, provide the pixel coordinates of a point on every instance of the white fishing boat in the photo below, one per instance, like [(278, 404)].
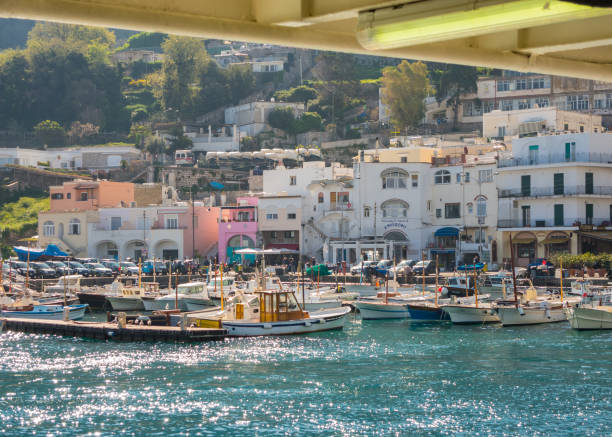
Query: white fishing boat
[(268, 312), (593, 312), (471, 314), (68, 283), (126, 299), (191, 296), (48, 312)]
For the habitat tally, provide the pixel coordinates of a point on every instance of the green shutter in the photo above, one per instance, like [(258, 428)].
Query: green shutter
[(588, 183), (568, 151), (559, 215), (589, 213), (526, 185), (558, 183)]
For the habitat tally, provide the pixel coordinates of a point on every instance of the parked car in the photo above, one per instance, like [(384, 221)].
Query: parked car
[(111, 264), (383, 267), (60, 268), (426, 265), (364, 265), (22, 268), (43, 270), (128, 268), (160, 268), (87, 260), (404, 268), (97, 269), (78, 268)]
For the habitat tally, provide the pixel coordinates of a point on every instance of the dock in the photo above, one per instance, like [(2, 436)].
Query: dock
[(112, 331)]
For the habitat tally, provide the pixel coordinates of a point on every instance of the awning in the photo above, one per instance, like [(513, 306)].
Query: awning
[(447, 232), (603, 236), (555, 240), (526, 240)]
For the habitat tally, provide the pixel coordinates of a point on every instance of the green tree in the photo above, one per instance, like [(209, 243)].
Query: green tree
[(50, 133), (184, 59), (301, 93), (404, 88), (138, 134), (241, 82), (283, 119), (456, 80), (179, 141), (155, 146), (308, 121)]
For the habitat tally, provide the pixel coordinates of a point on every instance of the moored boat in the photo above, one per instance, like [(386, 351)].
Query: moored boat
[(47, 312), (471, 314)]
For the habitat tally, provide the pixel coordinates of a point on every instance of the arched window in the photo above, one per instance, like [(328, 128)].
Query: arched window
[(241, 241), (394, 178), (394, 208), (74, 228), (470, 207), (49, 229), (481, 206), (442, 177), (366, 211)]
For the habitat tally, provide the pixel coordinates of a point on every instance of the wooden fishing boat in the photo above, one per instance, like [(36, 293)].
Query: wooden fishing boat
[(268, 312)]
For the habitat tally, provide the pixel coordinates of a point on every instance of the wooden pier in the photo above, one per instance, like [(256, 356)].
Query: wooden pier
[(112, 331)]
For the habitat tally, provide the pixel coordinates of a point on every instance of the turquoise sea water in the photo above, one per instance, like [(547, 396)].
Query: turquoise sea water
[(375, 377)]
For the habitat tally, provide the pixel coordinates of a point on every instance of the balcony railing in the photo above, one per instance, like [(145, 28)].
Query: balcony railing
[(599, 158), (550, 222), (573, 190)]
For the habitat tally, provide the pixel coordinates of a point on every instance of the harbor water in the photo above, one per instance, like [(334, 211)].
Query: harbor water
[(375, 377)]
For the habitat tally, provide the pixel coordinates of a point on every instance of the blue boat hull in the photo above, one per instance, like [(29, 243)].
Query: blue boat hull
[(430, 314)]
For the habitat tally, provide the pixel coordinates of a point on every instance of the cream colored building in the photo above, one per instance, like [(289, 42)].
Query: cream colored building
[(279, 221), (68, 230), (529, 122)]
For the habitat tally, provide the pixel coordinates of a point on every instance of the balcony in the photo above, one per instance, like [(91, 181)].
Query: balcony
[(575, 190), (338, 207), (597, 158), (550, 223)]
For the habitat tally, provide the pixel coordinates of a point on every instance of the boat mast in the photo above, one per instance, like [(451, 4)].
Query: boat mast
[(220, 284), (303, 291), (65, 288), (423, 271), (387, 287), (561, 265), (175, 289), (475, 287), (513, 272), (437, 273)]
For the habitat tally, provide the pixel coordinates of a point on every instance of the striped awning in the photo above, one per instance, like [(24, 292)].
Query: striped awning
[(555, 240), (524, 240)]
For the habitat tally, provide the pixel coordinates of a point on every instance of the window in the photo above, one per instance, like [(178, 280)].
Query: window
[(291, 216), (57, 196), (559, 215), (521, 84), (321, 198), (458, 178), (565, 126), (526, 185), (609, 101), (485, 175), (289, 234), (415, 180), (524, 104), (429, 205), (533, 155), (243, 216), (49, 229), (115, 223), (442, 177), (506, 105), (68, 195), (343, 198), (558, 186), (570, 151), (466, 177), (480, 236), (394, 209), (83, 197), (404, 159), (366, 211), (272, 216), (542, 102), (292, 180), (273, 235), (452, 210), (470, 207), (588, 183), (577, 103), (74, 227), (438, 212), (481, 207), (394, 179), (526, 215), (171, 222), (581, 128), (503, 85)]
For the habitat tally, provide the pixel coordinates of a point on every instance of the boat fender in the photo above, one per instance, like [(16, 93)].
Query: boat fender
[(307, 324), (267, 325), (322, 321), (521, 311), (547, 313)]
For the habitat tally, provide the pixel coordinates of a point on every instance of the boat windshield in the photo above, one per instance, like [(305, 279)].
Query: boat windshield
[(191, 288)]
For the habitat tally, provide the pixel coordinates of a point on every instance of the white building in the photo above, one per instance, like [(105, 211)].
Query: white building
[(252, 118), (529, 122), (264, 66), (99, 158), (555, 194), (207, 142)]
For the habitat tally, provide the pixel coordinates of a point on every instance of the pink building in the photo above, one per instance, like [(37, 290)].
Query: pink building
[(84, 195), (237, 228)]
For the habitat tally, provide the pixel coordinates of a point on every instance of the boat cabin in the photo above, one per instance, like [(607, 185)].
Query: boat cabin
[(191, 288), (277, 305)]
